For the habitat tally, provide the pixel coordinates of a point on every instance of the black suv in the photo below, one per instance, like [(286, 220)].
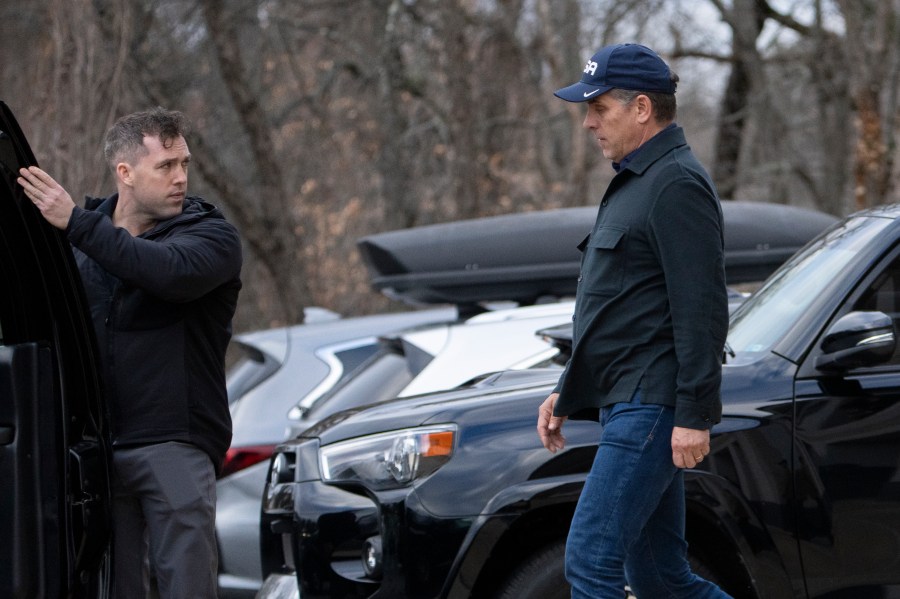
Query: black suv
[(54, 504), (452, 494)]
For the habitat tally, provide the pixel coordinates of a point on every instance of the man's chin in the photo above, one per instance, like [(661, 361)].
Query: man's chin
[(170, 212), (607, 153)]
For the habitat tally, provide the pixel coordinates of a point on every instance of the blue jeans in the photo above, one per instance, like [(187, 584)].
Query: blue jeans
[(629, 523)]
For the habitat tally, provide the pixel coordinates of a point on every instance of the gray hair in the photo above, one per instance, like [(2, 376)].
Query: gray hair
[(125, 139), (664, 107)]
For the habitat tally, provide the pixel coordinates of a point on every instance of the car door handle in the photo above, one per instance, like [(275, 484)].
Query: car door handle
[(7, 434)]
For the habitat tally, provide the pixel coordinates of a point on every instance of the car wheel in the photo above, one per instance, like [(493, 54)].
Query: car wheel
[(541, 576)]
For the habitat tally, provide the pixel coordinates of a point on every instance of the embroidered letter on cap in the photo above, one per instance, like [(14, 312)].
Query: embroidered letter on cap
[(590, 67)]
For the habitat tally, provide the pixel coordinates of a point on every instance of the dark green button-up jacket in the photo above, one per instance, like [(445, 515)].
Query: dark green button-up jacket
[(651, 309)]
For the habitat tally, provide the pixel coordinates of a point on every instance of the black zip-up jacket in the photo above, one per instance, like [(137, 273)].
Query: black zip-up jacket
[(162, 305)]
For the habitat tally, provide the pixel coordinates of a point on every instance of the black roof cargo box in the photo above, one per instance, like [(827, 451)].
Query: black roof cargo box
[(526, 256)]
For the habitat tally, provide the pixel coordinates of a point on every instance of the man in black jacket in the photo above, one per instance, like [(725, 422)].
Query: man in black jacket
[(651, 315), (162, 273)]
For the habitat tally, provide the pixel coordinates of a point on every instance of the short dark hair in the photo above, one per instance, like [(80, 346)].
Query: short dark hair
[(125, 139), (664, 107)]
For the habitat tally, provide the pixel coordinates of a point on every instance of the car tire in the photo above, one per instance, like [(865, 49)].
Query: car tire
[(540, 576)]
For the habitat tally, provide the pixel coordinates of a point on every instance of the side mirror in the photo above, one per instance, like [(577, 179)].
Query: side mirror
[(857, 339)]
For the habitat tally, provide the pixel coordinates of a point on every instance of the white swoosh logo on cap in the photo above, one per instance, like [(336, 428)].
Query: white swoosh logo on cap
[(589, 94)]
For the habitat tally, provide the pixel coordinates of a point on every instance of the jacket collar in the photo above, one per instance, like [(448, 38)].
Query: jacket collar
[(103, 205), (194, 208), (655, 148)]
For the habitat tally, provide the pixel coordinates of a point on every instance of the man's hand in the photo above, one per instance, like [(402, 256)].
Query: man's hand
[(689, 446), (51, 199), (549, 426)]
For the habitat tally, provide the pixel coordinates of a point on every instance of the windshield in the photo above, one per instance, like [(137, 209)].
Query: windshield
[(767, 316)]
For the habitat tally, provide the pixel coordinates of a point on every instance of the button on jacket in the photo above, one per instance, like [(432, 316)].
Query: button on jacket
[(162, 304), (651, 308)]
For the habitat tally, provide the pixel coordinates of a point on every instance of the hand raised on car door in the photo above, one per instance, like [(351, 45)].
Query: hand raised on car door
[(50, 197)]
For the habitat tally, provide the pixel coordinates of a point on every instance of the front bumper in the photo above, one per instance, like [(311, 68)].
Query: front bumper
[(325, 542), (279, 586)]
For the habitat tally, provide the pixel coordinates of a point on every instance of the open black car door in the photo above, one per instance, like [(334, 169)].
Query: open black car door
[(54, 474)]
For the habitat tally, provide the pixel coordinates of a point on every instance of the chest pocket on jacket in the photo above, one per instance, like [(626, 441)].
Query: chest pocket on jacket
[(604, 262)]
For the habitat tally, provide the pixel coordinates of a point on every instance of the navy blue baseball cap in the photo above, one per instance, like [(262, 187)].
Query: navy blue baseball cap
[(621, 66)]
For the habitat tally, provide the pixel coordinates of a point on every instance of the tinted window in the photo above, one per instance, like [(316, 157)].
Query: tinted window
[(251, 369), (883, 295), (764, 319), (379, 378), (352, 358)]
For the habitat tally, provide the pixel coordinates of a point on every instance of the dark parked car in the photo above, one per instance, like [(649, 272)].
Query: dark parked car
[(452, 494), (54, 494), (520, 258)]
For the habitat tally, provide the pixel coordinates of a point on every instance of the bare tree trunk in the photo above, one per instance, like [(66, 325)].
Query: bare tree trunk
[(746, 18), (872, 29), (400, 206), (563, 53), (461, 114), (73, 93), (277, 245), (830, 85)]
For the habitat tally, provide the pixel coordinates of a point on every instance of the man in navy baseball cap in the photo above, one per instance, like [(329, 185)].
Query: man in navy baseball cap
[(621, 66), (651, 315)]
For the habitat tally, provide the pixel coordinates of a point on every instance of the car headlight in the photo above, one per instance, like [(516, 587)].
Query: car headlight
[(388, 460)]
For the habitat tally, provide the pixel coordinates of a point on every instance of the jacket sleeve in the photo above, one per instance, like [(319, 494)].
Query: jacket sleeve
[(181, 267), (686, 229)]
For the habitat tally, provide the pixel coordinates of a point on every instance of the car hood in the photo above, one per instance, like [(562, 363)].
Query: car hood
[(417, 410), (747, 389)]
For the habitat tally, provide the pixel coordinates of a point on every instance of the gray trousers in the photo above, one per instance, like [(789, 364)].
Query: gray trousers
[(164, 514)]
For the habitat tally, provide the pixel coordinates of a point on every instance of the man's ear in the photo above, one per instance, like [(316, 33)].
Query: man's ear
[(124, 173), (644, 109)]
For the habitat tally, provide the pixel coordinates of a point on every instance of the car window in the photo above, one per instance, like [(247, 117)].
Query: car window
[(252, 368), (379, 378), (351, 358), (342, 361), (765, 318), (883, 295)]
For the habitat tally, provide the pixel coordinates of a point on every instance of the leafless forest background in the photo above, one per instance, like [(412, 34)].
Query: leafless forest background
[(319, 121)]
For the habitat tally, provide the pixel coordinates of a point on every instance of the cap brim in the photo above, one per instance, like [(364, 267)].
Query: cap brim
[(581, 92)]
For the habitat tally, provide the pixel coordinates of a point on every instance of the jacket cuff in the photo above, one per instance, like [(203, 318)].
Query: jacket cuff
[(71, 227), (695, 415)]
